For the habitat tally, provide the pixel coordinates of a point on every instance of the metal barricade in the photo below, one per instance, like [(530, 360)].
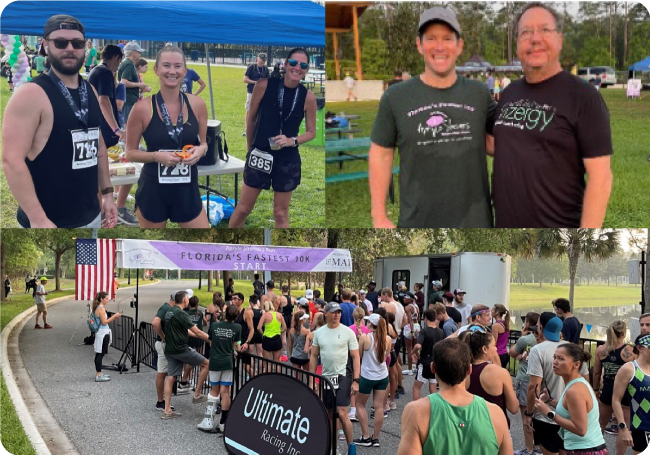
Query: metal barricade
[(147, 354), (123, 340)]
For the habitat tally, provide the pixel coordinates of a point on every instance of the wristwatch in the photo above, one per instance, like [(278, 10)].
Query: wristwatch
[(529, 415), (107, 190), (550, 415), (295, 142), (622, 425), (357, 380)]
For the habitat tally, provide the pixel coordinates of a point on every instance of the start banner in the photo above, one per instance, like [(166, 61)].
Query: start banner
[(154, 254)]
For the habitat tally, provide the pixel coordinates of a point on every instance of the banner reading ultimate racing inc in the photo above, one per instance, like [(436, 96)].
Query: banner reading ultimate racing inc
[(154, 254)]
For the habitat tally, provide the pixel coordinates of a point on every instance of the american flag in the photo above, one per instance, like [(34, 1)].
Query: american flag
[(95, 268)]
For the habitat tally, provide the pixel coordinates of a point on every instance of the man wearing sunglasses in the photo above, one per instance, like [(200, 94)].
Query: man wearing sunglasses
[(52, 144)]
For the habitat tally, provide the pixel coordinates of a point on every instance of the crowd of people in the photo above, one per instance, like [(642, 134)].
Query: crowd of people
[(167, 133), (355, 341)]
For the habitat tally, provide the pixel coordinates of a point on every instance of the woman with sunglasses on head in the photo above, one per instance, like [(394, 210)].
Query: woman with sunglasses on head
[(489, 381), (576, 410), (273, 160), (174, 126)]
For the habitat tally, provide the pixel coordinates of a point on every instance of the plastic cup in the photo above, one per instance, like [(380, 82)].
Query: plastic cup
[(273, 145)]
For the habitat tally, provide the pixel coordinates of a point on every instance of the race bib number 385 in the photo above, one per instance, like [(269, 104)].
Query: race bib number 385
[(174, 174), (260, 161), (85, 145)]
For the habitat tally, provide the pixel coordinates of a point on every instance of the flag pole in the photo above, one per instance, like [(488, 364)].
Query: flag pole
[(137, 329)]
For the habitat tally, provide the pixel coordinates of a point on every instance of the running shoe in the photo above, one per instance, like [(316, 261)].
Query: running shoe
[(102, 378), (387, 408), (407, 372), (401, 390), (352, 416), (171, 415), (160, 406), (613, 430), (375, 442), (538, 451), (47, 326), (182, 389), (244, 133), (393, 406), (200, 399), (38, 326), (221, 427), (341, 435), (126, 218), (365, 442), (524, 452)]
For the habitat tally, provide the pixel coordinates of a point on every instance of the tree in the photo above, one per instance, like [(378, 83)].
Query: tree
[(59, 241), (592, 244), (19, 254), (330, 277)]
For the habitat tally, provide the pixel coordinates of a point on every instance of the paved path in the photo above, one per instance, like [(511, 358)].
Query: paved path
[(119, 416)]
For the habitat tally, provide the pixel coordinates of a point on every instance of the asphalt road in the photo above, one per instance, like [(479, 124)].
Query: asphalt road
[(119, 416)]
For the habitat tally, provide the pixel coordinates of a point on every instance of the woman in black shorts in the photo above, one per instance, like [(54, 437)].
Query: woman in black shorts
[(168, 188), (256, 342), (610, 357), (276, 111), (297, 338)]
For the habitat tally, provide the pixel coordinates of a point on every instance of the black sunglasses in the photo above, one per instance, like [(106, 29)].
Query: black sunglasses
[(61, 43), (294, 62)]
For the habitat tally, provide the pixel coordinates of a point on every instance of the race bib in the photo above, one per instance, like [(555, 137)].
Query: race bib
[(334, 380), (85, 145), (260, 161), (174, 174)]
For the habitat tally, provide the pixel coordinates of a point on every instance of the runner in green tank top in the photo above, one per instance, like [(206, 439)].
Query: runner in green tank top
[(463, 423)]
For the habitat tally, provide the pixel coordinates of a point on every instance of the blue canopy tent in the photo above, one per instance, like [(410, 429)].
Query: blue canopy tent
[(643, 65), (282, 23)]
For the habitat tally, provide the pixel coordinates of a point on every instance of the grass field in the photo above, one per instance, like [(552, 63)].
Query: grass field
[(630, 167), (528, 296), (307, 207)]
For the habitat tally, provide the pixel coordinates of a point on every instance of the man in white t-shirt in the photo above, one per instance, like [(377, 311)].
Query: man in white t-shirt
[(362, 298), (460, 305), (334, 343), (39, 301), (540, 369), (397, 309), (349, 83)]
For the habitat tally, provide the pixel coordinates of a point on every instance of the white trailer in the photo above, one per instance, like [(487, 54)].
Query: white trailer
[(484, 276)]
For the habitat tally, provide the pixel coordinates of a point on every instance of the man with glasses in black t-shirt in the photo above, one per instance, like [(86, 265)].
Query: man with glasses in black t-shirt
[(552, 137)]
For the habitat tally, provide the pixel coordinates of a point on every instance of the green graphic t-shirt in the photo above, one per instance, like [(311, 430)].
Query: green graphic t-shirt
[(440, 134), (177, 323), (223, 334)]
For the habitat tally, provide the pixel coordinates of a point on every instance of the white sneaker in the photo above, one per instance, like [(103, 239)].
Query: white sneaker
[(407, 372), (352, 416), (341, 435), (182, 389)]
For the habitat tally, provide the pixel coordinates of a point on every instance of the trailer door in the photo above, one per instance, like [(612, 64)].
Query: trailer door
[(379, 273)]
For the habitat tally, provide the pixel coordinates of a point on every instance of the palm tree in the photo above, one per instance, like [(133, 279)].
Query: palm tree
[(593, 244)]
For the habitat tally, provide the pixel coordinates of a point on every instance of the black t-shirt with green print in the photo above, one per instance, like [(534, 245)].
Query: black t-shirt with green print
[(440, 134), (177, 323)]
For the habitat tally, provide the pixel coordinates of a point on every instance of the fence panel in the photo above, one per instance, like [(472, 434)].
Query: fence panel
[(123, 329)]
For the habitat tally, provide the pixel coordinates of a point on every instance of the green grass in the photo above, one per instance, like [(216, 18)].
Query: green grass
[(14, 439), (529, 296), (631, 141), (307, 207)]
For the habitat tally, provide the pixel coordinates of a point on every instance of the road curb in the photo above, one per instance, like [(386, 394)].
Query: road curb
[(34, 414)]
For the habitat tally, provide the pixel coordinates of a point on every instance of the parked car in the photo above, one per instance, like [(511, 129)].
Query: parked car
[(606, 74)]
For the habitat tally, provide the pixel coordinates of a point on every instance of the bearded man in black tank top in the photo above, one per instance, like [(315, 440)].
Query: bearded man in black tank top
[(276, 110), (54, 156)]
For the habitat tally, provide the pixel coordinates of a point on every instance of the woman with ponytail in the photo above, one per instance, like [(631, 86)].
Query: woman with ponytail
[(610, 357), (373, 348), (501, 332), (358, 327), (103, 335)]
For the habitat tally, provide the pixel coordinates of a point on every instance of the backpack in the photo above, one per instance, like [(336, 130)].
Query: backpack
[(94, 323)]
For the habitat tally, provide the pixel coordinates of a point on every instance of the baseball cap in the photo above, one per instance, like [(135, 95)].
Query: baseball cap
[(437, 283), (409, 295), (190, 293), (373, 318), (439, 14), (262, 56), (459, 291), (62, 22), (552, 325), (270, 284), (309, 294), (320, 302), (303, 302), (332, 307), (133, 46), (43, 278), (448, 295), (362, 291), (372, 283)]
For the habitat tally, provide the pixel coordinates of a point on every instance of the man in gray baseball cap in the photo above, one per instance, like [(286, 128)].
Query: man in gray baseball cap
[(128, 75), (439, 121)]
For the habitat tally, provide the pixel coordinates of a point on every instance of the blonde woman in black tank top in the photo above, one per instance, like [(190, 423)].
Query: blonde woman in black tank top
[(157, 199)]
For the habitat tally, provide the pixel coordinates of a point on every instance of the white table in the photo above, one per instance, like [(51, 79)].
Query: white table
[(232, 166)]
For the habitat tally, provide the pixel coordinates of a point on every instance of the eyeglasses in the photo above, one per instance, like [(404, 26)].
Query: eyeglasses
[(528, 33), (303, 65), (62, 43)]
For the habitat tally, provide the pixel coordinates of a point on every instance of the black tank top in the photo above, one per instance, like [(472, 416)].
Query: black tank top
[(157, 138), (257, 315), (244, 326), (268, 116), (612, 363), (54, 179)]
